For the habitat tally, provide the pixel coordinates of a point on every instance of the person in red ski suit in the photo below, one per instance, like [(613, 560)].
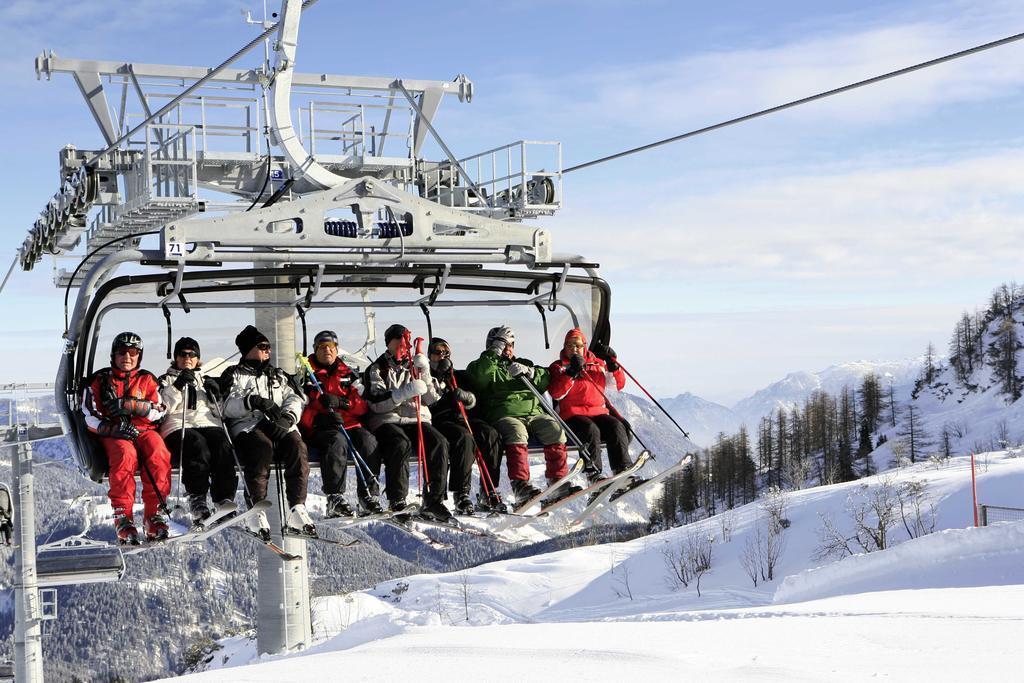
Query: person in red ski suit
[(122, 407), (340, 406), (579, 380)]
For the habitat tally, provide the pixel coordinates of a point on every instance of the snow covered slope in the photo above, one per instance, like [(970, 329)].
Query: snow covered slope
[(611, 612)]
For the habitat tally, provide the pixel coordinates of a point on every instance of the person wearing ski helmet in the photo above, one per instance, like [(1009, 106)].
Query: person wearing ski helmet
[(393, 383), (263, 405), (193, 428), (497, 377), (579, 380), (447, 417), (335, 404), (122, 407)]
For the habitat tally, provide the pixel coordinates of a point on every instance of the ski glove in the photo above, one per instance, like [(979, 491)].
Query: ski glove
[(286, 421), (118, 429), (328, 421), (332, 402), (409, 390), (498, 346), (443, 368), (612, 361), (466, 398), (185, 377), (212, 390), (576, 364), (136, 406), (273, 432), (517, 369), (270, 410), (421, 363)]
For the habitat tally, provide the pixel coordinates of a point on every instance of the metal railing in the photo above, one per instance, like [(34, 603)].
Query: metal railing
[(990, 514)]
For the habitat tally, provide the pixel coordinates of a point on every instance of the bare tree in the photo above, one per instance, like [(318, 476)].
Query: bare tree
[(912, 500), (750, 559), (726, 521), (689, 560), (464, 590), (873, 511), (620, 578)]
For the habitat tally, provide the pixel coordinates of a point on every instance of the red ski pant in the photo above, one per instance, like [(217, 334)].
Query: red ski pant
[(124, 458), (516, 431)]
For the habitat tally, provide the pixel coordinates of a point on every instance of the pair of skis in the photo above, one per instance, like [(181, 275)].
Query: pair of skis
[(200, 532)]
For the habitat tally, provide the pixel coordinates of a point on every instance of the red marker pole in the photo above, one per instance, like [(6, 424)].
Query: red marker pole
[(974, 491)]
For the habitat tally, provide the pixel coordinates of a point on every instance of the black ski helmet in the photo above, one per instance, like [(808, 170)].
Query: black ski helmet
[(126, 340), (325, 336)]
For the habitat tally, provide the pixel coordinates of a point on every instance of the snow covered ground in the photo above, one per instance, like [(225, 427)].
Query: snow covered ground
[(943, 606)]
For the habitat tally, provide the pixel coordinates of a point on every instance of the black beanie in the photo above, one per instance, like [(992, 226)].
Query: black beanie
[(186, 344), (248, 338), (394, 332)]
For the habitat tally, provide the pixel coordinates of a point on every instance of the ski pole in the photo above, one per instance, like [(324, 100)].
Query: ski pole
[(584, 453), (304, 363), (653, 400), (485, 474)]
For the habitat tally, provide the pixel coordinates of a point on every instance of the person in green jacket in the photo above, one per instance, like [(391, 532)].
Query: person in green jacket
[(503, 401)]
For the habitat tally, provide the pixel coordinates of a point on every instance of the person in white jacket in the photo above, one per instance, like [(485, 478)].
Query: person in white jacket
[(193, 431), (262, 405)]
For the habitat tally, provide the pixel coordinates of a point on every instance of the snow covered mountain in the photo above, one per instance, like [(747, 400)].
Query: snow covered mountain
[(792, 389), (702, 419), (612, 611)]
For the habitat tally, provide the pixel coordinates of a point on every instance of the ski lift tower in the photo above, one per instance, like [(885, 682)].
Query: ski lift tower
[(327, 188)]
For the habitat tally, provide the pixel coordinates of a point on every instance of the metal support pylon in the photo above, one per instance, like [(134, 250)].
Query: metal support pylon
[(28, 633)]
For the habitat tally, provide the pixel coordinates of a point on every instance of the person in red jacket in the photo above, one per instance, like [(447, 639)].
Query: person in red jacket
[(340, 406), (122, 406), (579, 380)]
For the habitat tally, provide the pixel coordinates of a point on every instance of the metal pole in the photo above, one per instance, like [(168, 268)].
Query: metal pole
[(283, 604), (974, 491), (28, 646)]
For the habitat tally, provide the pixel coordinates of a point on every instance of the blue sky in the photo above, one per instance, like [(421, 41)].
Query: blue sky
[(855, 228)]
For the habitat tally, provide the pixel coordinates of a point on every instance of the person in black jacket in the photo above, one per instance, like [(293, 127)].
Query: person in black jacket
[(450, 420)]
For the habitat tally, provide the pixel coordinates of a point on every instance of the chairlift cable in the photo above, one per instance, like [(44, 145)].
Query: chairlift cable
[(802, 100)]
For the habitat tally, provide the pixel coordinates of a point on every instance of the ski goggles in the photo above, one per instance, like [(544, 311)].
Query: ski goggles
[(264, 346), (127, 351), (326, 345), (187, 353)]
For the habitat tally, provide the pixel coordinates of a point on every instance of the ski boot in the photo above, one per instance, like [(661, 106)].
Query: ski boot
[(127, 534), (436, 512), (490, 503), (156, 527), (198, 508), (299, 521), (523, 491), (337, 506), (563, 491), (258, 526), (370, 506), (464, 505)]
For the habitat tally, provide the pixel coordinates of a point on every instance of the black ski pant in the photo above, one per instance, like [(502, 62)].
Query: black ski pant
[(609, 429), (399, 441), (208, 464), (488, 440), (335, 457), (258, 454), (461, 456)]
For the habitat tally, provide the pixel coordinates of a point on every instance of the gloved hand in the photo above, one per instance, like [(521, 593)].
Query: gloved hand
[(443, 368), (517, 369), (612, 360), (328, 421), (185, 377), (111, 403), (212, 389), (465, 397), (576, 364), (409, 390), (332, 402), (136, 406), (271, 429), (270, 410), (498, 346), (421, 363), (118, 429), (286, 421)]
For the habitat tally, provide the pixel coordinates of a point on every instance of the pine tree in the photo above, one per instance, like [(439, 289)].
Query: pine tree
[(913, 435), (871, 401)]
